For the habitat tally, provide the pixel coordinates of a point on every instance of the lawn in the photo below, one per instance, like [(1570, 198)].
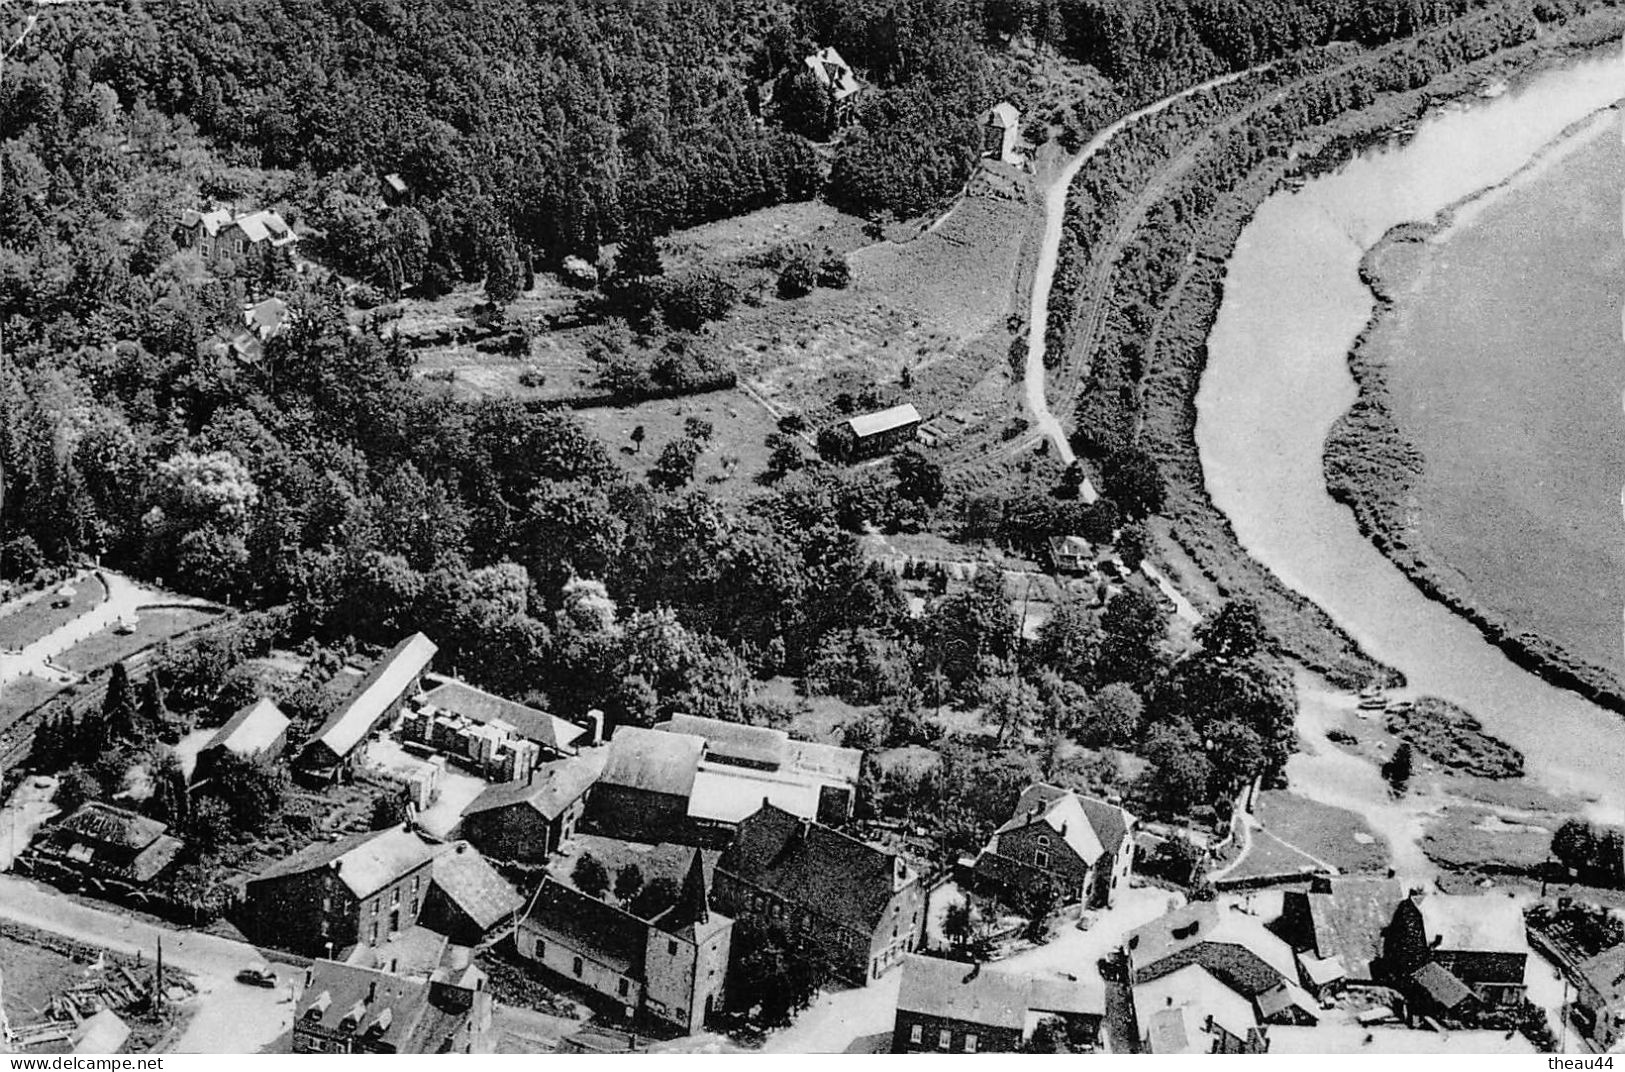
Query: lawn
[(1269, 857), (156, 625), (33, 621), (732, 460), (1340, 837), (21, 695)]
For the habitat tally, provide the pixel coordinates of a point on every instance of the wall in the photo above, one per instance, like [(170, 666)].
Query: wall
[(558, 956), (988, 1039), (517, 833)]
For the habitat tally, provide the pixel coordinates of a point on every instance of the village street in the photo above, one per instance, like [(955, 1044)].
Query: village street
[(230, 1018)]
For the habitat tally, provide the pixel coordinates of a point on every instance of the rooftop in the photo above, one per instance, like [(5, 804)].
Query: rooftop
[(480, 706), (387, 682), (1347, 915), (834, 72), (731, 794), (1091, 827), (1202, 994), (733, 740), (366, 862), (252, 730), (1205, 922), (995, 997), (474, 886), (1606, 972), (885, 420), (551, 790), (1488, 923), (653, 760)]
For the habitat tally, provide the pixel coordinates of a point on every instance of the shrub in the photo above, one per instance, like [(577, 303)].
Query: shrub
[(797, 278), (834, 272)]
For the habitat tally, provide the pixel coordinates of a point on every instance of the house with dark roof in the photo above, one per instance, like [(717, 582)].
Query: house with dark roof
[(1080, 847), (1599, 999), (862, 905), (526, 821), (1479, 939), (1232, 947), (365, 888), (644, 790), (947, 1006), (248, 240), (1336, 927), (103, 844), (468, 901), (257, 733), (346, 1008), (670, 968), (375, 700)]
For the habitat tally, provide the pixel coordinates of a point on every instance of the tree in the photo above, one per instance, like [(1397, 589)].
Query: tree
[(389, 810), (1134, 626), (659, 895), (784, 457), (1135, 482), (835, 273), (1114, 716), (637, 438), (253, 791), (798, 277), (1235, 632), (919, 479), (156, 246), (589, 876), (1397, 770), (1574, 845), (76, 786), (154, 709), (504, 273), (675, 466), (121, 711), (773, 973), (957, 924), (639, 256), (628, 882)]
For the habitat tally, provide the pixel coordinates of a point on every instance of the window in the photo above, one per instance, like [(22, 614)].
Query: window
[(621, 987), (1040, 858), (576, 967), (374, 939), (671, 948), (914, 1033), (970, 1043), (945, 1039), (375, 908), (396, 898), (1043, 839)]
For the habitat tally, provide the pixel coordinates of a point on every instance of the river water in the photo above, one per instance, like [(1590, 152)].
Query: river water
[(1277, 378)]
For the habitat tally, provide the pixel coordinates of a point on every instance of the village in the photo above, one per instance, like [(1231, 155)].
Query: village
[(634, 879)]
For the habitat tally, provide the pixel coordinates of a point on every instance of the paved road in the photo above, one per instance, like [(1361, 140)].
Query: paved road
[(230, 1018)]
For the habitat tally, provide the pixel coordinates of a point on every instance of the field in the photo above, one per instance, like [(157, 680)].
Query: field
[(1335, 835), (28, 623), (734, 458), (21, 695), (156, 625)]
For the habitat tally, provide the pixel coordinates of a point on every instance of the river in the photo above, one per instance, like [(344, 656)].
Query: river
[(1277, 378)]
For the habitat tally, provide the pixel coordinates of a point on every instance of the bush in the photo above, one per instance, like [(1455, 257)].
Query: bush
[(688, 304), (797, 278), (834, 272)]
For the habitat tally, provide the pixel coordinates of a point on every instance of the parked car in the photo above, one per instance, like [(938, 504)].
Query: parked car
[(257, 973)]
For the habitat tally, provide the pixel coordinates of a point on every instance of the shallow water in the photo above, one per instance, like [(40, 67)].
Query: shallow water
[(1277, 377)]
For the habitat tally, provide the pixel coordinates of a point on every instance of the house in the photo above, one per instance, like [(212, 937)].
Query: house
[(1336, 927), (1434, 992), (1071, 554), (1001, 132), (365, 888), (373, 702), (836, 75), (257, 733), (863, 905), (467, 900), (946, 1006), (670, 968), (266, 318), (394, 188), (743, 765), (1191, 1011), (1078, 846), (102, 844), (1599, 1000), (874, 434), (1229, 945), (525, 822), (555, 737), (644, 790), (1478, 939), (346, 1008), (250, 240)]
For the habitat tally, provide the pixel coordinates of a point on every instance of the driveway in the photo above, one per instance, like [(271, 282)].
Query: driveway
[(230, 1017)]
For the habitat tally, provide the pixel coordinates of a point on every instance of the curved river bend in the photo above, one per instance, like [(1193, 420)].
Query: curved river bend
[(1277, 378)]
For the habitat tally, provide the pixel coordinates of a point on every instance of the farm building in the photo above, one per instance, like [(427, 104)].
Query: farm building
[(373, 702), (104, 844), (257, 733), (1001, 132), (874, 434), (524, 821)]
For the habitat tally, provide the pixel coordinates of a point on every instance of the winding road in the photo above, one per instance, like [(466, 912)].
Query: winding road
[(1049, 254)]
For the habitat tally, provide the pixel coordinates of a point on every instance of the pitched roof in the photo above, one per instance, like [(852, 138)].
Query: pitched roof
[(1197, 991), (1606, 972), (474, 886), (212, 221), (388, 1007), (885, 420), (114, 827), (653, 760), (252, 730), (1473, 923), (808, 863), (266, 226), (994, 997), (1440, 985), (386, 683), (827, 760), (367, 862), (480, 706), (1347, 915), (731, 794), (554, 787), (733, 740), (1003, 114), (1205, 922), (566, 914), (834, 72), (1091, 827)]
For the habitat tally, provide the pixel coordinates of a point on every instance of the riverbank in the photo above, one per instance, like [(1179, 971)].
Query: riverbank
[(1373, 466), (1176, 351)]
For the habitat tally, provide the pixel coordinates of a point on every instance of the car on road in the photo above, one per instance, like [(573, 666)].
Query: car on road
[(257, 973)]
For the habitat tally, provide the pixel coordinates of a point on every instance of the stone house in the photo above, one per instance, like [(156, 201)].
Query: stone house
[(862, 905), (346, 1008), (1080, 847), (644, 790), (1336, 928), (468, 901), (1480, 940), (946, 1006), (526, 821), (1599, 1000), (249, 240)]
